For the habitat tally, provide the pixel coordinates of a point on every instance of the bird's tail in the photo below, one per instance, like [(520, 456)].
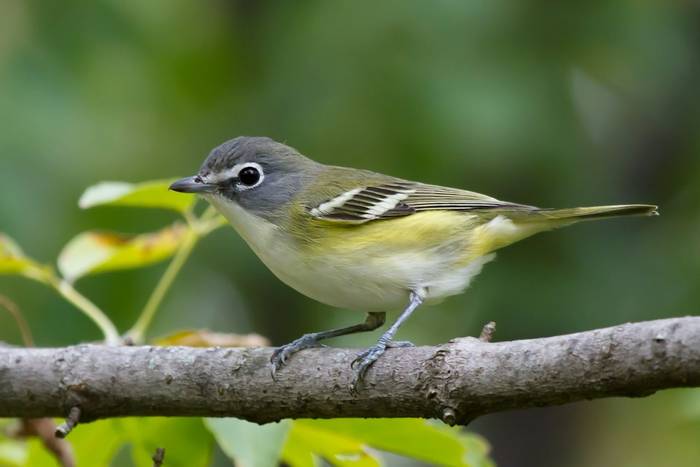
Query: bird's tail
[(598, 212), (512, 224)]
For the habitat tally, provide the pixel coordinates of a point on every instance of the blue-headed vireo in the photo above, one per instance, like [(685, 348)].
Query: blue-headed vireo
[(361, 240)]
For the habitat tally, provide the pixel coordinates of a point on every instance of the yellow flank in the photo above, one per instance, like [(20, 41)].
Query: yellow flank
[(502, 231), (461, 235), (419, 231)]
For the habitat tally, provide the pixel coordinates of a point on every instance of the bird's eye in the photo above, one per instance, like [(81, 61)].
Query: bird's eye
[(249, 176)]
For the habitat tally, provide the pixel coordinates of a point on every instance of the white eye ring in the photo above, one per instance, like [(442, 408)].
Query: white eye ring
[(237, 169)]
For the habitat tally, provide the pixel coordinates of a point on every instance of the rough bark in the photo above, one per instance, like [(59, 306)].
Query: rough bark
[(456, 382)]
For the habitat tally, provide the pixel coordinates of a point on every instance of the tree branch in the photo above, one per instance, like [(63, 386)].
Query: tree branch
[(456, 382)]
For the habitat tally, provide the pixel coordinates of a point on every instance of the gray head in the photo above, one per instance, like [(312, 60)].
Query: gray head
[(258, 173)]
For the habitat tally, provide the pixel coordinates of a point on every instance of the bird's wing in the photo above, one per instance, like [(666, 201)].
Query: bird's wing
[(402, 198)]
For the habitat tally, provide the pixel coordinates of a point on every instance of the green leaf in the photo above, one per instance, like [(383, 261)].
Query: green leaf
[(308, 440), (186, 441), (337, 440), (297, 454), (249, 444), (94, 252), (86, 437), (153, 194), (94, 444), (14, 261)]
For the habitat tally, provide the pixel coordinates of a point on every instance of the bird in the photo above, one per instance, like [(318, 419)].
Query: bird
[(361, 240)]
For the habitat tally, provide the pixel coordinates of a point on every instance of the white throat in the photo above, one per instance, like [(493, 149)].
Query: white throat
[(258, 233)]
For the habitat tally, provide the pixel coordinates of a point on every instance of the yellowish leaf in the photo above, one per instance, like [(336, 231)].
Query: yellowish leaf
[(14, 261), (94, 252), (249, 444), (357, 442), (152, 194), (206, 338)]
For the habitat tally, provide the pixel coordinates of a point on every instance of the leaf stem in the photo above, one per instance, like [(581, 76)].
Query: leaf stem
[(138, 331), (91, 310), (14, 310)]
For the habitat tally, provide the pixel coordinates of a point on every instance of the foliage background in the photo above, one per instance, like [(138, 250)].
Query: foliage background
[(576, 103)]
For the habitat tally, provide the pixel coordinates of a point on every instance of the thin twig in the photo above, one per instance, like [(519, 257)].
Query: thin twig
[(71, 422), (44, 429), (91, 310), (14, 310), (487, 331), (158, 457)]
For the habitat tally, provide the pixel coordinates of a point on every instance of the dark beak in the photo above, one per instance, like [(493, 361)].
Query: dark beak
[(192, 185)]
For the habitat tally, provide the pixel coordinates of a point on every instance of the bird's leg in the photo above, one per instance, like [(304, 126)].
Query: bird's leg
[(369, 356), (281, 354), (399, 344)]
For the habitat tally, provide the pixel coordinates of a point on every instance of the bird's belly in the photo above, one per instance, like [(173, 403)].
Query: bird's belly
[(383, 285), (371, 277), (330, 281)]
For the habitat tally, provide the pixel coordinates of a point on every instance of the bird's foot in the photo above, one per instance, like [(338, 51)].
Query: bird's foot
[(366, 358), (281, 354), (363, 361)]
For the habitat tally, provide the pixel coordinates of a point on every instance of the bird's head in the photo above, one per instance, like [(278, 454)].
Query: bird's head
[(257, 173)]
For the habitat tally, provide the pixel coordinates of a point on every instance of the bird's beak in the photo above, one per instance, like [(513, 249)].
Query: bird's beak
[(192, 185)]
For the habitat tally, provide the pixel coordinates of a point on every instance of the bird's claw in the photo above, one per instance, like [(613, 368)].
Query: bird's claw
[(363, 362), (281, 354), (366, 359)]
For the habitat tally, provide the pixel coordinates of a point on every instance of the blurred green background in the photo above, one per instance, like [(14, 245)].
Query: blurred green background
[(551, 104)]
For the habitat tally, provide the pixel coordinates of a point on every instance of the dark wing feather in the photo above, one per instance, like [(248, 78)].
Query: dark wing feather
[(398, 199)]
